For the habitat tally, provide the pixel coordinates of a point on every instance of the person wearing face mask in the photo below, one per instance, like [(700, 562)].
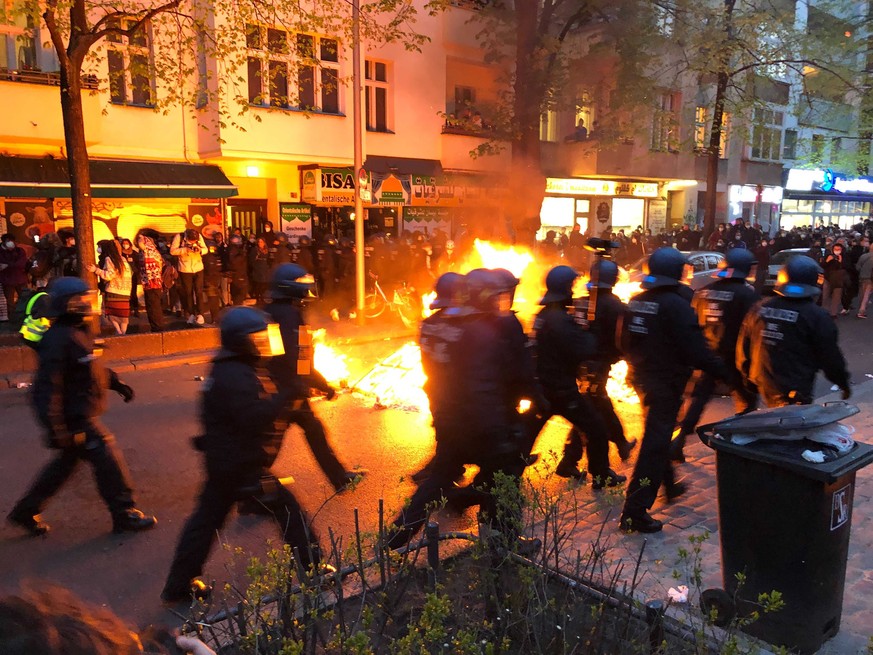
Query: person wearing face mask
[(150, 264), (237, 269), (13, 270), (836, 276), (189, 247), (244, 418)]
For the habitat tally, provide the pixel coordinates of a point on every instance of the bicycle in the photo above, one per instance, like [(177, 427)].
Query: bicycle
[(402, 301)]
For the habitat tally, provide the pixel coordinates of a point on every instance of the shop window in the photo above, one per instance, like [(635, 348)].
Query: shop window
[(376, 87), (131, 71), (292, 71), (766, 141), (665, 123)]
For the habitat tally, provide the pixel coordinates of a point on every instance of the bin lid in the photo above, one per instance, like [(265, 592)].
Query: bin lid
[(787, 455), (790, 417)]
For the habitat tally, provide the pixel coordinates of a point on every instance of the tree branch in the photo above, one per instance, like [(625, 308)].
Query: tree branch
[(98, 33), (51, 23)]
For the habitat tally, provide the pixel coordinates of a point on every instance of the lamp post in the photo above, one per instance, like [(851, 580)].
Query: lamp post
[(359, 162)]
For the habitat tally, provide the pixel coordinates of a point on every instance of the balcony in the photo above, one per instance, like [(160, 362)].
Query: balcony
[(46, 78), (632, 159)]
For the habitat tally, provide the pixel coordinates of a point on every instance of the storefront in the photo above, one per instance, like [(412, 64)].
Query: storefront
[(755, 204), (126, 196), (823, 197), (601, 205)]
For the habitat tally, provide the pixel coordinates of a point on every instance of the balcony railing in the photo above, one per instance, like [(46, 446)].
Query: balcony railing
[(42, 77)]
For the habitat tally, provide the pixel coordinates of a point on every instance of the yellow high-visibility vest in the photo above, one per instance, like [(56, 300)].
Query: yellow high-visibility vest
[(33, 329)]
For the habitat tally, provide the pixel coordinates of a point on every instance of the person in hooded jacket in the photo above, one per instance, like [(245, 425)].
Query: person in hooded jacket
[(721, 307), (244, 418), (238, 269), (663, 344), (786, 339)]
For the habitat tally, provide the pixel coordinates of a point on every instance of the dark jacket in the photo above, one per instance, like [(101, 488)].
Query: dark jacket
[(15, 273), (69, 389), (438, 339), (662, 339), (783, 342), (721, 307), (604, 327), (283, 369), (244, 418), (561, 347)]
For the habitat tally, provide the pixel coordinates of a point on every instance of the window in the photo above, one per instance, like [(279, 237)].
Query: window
[(817, 150), (19, 36), (584, 112), (767, 134), (277, 72), (701, 129), (836, 148), (789, 148), (665, 123), (664, 20), (549, 126), (465, 100), (376, 76), (130, 66)]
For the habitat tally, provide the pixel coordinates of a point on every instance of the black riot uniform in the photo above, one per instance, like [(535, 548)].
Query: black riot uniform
[(603, 325), (244, 418), (663, 344), (69, 396), (476, 381), (290, 287), (561, 348), (721, 307), (786, 339)]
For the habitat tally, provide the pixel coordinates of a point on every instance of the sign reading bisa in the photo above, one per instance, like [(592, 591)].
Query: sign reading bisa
[(337, 181)]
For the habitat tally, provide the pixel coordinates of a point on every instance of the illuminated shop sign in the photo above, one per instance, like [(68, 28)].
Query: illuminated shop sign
[(579, 187), (770, 195), (827, 180)]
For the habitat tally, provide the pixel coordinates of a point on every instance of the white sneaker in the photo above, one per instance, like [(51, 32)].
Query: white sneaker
[(191, 319), (200, 319)]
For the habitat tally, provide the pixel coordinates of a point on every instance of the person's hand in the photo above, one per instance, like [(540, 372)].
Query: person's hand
[(193, 645), (125, 391), (847, 392), (92, 268), (330, 394)]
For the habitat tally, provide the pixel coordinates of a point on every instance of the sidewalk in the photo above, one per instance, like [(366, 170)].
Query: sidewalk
[(696, 513)]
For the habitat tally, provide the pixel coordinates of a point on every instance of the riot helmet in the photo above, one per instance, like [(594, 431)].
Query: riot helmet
[(304, 241), (604, 273), (71, 296), (799, 278), (244, 331), (737, 262), (330, 241), (447, 289), (505, 282), (481, 287), (559, 285), (665, 268), (291, 281)]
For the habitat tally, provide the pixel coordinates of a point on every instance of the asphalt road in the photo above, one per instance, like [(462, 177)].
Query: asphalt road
[(127, 572)]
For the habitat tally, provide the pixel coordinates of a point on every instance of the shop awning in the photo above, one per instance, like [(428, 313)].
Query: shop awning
[(823, 195), (31, 177), (403, 165)]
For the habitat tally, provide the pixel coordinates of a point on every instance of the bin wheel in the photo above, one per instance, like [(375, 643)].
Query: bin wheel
[(718, 605)]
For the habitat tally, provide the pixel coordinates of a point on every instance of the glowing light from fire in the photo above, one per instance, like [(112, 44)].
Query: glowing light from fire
[(513, 259), (426, 300), (618, 388), (328, 361), (397, 381)]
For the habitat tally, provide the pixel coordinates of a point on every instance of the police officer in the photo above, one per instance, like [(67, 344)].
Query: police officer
[(69, 397), (561, 348), (477, 409), (602, 323), (244, 418), (302, 254), (326, 268), (663, 344), (787, 338), (291, 286), (721, 307)]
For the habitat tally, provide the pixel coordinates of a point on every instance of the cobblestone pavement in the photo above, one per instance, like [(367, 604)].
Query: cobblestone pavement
[(696, 515)]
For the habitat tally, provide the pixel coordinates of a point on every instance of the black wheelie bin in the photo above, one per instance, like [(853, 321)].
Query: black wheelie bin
[(784, 522)]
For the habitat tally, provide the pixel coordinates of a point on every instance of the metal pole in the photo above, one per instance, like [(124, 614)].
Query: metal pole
[(359, 161)]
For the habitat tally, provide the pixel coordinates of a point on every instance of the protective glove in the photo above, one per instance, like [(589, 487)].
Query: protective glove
[(125, 391), (847, 392), (330, 394)]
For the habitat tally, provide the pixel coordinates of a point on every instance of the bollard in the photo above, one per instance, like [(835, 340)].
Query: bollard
[(432, 535), (655, 618)]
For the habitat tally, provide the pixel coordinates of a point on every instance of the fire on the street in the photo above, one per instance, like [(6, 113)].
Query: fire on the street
[(397, 380)]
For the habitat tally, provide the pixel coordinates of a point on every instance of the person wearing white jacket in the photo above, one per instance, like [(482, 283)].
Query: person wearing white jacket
[(189, 248)]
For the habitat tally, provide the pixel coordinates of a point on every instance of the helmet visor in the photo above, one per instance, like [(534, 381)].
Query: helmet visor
[(84, 304), (268, 343)]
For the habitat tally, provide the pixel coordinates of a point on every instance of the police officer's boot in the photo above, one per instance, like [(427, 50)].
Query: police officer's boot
[(197, 589), (30, 522), (677, 448), (132, 520)]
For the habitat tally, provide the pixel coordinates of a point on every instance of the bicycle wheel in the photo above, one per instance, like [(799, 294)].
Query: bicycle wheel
[(374, 305), (410, 314)]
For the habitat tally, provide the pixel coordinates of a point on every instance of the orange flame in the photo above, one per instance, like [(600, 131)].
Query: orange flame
[(328, 361)]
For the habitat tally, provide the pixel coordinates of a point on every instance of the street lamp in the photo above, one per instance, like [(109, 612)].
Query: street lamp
[(359, 161)]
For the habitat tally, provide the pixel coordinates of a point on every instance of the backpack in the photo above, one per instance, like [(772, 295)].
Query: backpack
[(169, 275)]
